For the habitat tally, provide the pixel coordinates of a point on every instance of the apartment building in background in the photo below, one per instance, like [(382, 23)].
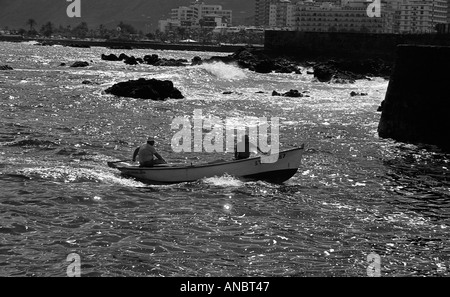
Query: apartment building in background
[(281, 14), (197, 15), (397, 16), (262, 12), (347, 16), (417, 16)]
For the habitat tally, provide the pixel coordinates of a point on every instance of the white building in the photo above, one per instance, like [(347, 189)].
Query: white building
[(281, 14), (397, 16), (418, 16), (348, 16), (168, 25), (198, 15)]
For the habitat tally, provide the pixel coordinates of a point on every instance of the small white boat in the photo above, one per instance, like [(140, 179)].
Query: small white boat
[(279, 171)]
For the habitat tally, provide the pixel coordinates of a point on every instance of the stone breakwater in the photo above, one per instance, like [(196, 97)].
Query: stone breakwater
[(417, 103)]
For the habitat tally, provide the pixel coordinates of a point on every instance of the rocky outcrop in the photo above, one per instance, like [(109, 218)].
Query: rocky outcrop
[(131, 60), (350, 70), (146, 89), (110, 57), (344, 70), (417, 105), (80, 64), (353, 94), (196, 60), (154, 60), (258, 61), (6, 67), (323, 73), (290, 93)]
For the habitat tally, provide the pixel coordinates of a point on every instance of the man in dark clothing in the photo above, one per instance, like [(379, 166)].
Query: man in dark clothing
[(146, 153), (244, 148)]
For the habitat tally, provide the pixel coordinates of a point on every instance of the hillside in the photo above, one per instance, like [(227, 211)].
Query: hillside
[(143, 14)]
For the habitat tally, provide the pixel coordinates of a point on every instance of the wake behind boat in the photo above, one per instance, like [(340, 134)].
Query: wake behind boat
[(247, 169)]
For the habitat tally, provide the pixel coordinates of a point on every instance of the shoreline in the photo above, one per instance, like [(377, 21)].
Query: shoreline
[(129, 44)]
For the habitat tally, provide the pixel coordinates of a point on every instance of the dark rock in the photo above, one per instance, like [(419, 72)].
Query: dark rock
[(196, 60), (353, 94), (323, 73), (110, 57), (293, 93), (290, 93), (363, 68), (156, 61), (151, 59), (417, 104), (131, 61), (123, 57), (285, 66), (146, 89), (258, 61), (225, 59), (265, 66), (380, 108), (62, 64), (227, 93), (80, 64), (170, 63), (260, 92), (6, 67), (343, 80), (345, 71)]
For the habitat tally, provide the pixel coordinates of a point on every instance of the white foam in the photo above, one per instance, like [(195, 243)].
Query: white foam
[(223, 181), (224, 71), (68, 174)]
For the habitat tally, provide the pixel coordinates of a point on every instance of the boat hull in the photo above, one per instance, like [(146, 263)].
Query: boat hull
[(283, 169)]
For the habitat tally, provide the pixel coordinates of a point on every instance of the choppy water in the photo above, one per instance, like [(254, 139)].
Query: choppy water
[(356, 194)]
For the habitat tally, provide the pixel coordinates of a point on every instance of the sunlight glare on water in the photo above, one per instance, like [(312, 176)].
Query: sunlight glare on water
[(354, 195)]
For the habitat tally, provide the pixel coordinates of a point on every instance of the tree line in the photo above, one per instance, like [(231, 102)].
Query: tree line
[(127, 31), (82, 30)]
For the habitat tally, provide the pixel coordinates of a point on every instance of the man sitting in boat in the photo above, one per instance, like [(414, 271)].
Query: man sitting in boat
[(245, 148), (146, 153)]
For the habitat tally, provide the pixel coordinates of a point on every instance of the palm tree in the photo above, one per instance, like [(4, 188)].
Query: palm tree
[(31, 23), (47, 29), (101, 30)]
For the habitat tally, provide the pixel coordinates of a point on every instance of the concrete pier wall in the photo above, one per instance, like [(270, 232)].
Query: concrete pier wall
[(345, 45), (416, 108)]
